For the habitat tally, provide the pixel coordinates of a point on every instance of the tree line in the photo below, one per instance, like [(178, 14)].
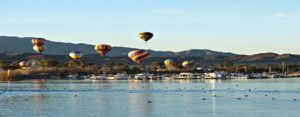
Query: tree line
[(157, 66)]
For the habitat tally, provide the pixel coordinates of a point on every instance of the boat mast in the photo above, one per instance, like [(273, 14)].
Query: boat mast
[(282, 67)]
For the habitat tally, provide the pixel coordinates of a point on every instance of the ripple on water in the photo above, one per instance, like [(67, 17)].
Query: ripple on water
[(167, 98)]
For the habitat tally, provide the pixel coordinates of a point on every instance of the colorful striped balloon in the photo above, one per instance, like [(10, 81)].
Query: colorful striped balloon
[(188, 64), (102, 49), (146, 36), (172, 62), (38, 41), (75, 55), (39, 49), (138, 55)]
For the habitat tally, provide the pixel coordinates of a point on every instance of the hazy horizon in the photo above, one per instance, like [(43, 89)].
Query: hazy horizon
[(240, 27)]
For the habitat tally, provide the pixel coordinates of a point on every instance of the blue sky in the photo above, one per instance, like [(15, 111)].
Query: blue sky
[(238, 26)]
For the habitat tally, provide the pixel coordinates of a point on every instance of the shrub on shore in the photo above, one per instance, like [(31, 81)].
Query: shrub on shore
[(20, 74)]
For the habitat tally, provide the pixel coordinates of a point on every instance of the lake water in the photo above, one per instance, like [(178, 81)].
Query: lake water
[(171, 98)]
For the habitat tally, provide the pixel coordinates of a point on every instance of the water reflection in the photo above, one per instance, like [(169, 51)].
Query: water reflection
[(213, 81), (39, 84), (140, 102), (150, 98)]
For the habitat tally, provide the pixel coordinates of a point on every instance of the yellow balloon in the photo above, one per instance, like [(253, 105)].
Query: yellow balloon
[(146, 36), (75, 55), (39, 49)]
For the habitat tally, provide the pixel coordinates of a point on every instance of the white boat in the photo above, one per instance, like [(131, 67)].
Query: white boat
[(110, 77), (141, 76), (238, 76), (155, 76), (86, 77), (273, 75), (215, 75), (72, 76), (256, 76), (199, 76), (121, 76), (169, 76), (99, 77), (187, 76)]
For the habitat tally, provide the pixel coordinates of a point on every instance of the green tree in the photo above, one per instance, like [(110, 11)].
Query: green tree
[(48, 63), (81, 63), (292, 68), (141, 67), (43, 63), (72, 63), (109, 66), (227, 64), (157, 64), (76, 63), (119, 66), (13, 65), (53, 63), (2, 63)]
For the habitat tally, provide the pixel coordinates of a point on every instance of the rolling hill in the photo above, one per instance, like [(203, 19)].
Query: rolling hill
[(16, 49), (18, 44)]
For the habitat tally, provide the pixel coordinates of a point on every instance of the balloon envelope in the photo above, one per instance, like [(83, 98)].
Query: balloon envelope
[(38, 41), (188, 64), (39, 49), (172, 62), (138, 56), (75, 55), (102, 49), (146, 36), (24, 64)]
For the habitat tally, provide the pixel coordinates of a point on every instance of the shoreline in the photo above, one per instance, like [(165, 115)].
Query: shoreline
[(48, 77), (98, 74)]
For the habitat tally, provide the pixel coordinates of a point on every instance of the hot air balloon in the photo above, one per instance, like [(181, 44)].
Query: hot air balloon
[(39, 49), (38, 41), (24, 64), (75, 55), (146, 36), (188, 64), (172, 62), (138, 55), (102, 49)]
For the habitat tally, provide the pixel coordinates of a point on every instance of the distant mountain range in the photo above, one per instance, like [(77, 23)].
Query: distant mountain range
[(15, 49), (17, 44), (258, 59)]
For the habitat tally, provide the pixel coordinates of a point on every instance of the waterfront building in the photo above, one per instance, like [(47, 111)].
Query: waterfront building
[(214, 75)]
